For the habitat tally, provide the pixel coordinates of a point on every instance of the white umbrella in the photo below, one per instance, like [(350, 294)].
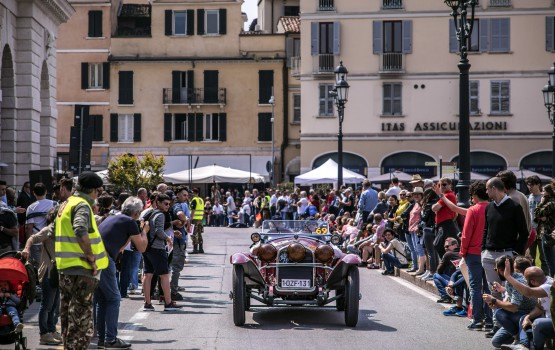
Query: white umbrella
[(213, 173), (327, 173), (522, 174)]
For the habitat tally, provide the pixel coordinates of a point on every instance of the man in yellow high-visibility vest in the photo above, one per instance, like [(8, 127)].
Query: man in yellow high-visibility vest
[(197, 213), (80, 256)]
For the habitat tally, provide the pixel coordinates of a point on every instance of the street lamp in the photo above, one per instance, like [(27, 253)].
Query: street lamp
[(272, 102), (340, 93), (463, 28), (549, 102)]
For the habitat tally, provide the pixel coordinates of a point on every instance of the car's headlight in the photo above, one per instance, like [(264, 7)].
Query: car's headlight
[(296, 252), (324, 253), (255, 237), (267, 252), (335, 239)]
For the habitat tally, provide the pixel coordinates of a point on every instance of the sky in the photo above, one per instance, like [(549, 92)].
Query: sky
[(249, 6)]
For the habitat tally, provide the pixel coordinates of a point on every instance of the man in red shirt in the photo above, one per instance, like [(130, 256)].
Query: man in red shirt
[(445, 217)]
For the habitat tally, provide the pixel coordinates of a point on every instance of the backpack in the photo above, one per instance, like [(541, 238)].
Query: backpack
[(406, 251)]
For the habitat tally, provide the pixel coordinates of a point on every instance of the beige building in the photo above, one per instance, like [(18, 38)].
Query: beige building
[(180, 79), (403, 101), (28, 33)]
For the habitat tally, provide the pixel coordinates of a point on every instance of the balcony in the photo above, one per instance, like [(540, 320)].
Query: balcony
[(326, 5), (196, 96), (392, 4), (295, 66), (324, 63), (392, 63), (500, 3)]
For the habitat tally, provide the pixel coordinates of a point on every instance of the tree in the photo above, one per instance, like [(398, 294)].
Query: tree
[(129, 172)]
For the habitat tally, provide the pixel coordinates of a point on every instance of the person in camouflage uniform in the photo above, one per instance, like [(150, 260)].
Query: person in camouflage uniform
[(197, 213)]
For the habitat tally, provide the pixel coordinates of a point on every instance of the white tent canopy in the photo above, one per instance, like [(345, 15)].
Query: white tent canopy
[(327, 173), (522, 174), (213, 173), (455, 176), (402, 176)]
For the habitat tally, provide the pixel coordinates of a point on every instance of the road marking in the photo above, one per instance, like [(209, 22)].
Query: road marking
[(133, 325), (418, 290)]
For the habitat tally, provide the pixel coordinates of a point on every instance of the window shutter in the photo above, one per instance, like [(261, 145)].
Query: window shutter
[(191, 127), (377, 44), (407, 36), (91, 24), (336, 38), (223, 21), (84, 75), (453, 42), (200, 21), (176, 86), (223, 127), (137, 127), (190, 22), (314, 38), (95, 24), (265, 85), (179, 120), (191, 86), (505, 28), (168, 25), (549, 33), (484, 34), (113, 127), (167, 126), (289, 47), (210, 86), (264, 127), (97, 122), (125, 87), (106, 75), (198, 127)]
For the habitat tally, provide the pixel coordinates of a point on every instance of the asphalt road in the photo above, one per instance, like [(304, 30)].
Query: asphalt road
[(393, 314)]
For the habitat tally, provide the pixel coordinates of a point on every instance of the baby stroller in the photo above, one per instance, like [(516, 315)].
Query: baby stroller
[(22, 279)]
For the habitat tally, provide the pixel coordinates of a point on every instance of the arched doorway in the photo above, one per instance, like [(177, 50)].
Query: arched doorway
[(539, 162), (410, 163), (47, 137), (351, 161), (486, 163), (8, 135)]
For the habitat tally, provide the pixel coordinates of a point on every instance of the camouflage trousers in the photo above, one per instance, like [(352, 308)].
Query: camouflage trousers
[(197, 234), (76, 310)]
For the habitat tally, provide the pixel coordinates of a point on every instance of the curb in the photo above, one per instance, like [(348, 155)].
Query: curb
[(426, 285)]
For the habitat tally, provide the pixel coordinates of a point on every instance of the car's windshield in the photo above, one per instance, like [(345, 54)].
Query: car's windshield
[(295, 226)]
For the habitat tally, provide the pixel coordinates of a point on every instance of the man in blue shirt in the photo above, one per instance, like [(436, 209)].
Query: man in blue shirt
[(368, 200)]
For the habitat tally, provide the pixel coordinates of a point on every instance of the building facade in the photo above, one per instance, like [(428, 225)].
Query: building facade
[(180, 79), (28, 74), (403, 102)]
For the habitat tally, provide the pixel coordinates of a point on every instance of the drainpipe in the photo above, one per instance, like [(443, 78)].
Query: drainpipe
[(285, 99)]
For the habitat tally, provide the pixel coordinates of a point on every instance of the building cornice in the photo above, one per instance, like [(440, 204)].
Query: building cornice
[(59, 10), (112, 58), (420, 137)]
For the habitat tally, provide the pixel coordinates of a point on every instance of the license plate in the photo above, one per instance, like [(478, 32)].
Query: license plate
[(294, 283)]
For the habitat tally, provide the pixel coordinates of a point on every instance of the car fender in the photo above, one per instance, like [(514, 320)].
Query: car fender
[(252, 274), (339, 273)]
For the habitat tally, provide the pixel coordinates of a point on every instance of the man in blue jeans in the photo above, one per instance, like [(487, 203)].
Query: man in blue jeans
[(116, 231), (508, 311), (447, 266)]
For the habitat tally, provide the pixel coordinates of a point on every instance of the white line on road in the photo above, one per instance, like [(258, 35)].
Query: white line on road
[(418, 290)]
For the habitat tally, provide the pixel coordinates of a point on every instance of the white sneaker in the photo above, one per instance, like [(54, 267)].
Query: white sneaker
[(425, 275)]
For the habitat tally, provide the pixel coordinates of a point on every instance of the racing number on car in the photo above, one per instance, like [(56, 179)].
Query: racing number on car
[(321, 230)]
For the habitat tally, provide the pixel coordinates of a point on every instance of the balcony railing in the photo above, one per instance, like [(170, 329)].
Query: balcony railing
[(392, 4), (295, 66), (500, 3), (392, 62), (194, 96), (324, 63), (326, 5)]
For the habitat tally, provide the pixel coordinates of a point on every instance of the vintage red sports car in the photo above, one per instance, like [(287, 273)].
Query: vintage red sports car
[(295, 263)]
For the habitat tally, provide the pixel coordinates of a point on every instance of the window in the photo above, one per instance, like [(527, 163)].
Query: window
[(95, 75), (392, 37), (392, 99), (125, 88), (549, 34), (291, 10), (211, 127), (211, 87), (180, 23), (500, 97), (296, 108), (95, 125), (474, 97), (325, 33), (326, 101), (488, 35), (325, 38), (183, 87), (265, 86), (195, 127), (180, 127), (211, 22), (264, 126), (95, 24), (125, 128)]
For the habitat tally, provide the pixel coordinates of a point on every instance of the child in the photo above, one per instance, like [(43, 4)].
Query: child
[(10, 301)]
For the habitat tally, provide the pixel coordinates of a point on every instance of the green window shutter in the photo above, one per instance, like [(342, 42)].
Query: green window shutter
[(113, 127), (200, 22), (167, 126)]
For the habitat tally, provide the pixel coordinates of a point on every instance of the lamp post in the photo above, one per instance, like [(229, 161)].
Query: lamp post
[(340, 93), (549, 102), (273, 177), (463, 28)]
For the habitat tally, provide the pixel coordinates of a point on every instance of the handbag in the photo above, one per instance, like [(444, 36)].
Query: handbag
[(547, 239), (53, 276)]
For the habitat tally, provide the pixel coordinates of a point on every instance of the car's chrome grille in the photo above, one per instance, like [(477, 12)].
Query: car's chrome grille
[(290, 272)]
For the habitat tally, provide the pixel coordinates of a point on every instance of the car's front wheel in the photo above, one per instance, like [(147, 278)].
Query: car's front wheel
[(352, 290), (239, 295)]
